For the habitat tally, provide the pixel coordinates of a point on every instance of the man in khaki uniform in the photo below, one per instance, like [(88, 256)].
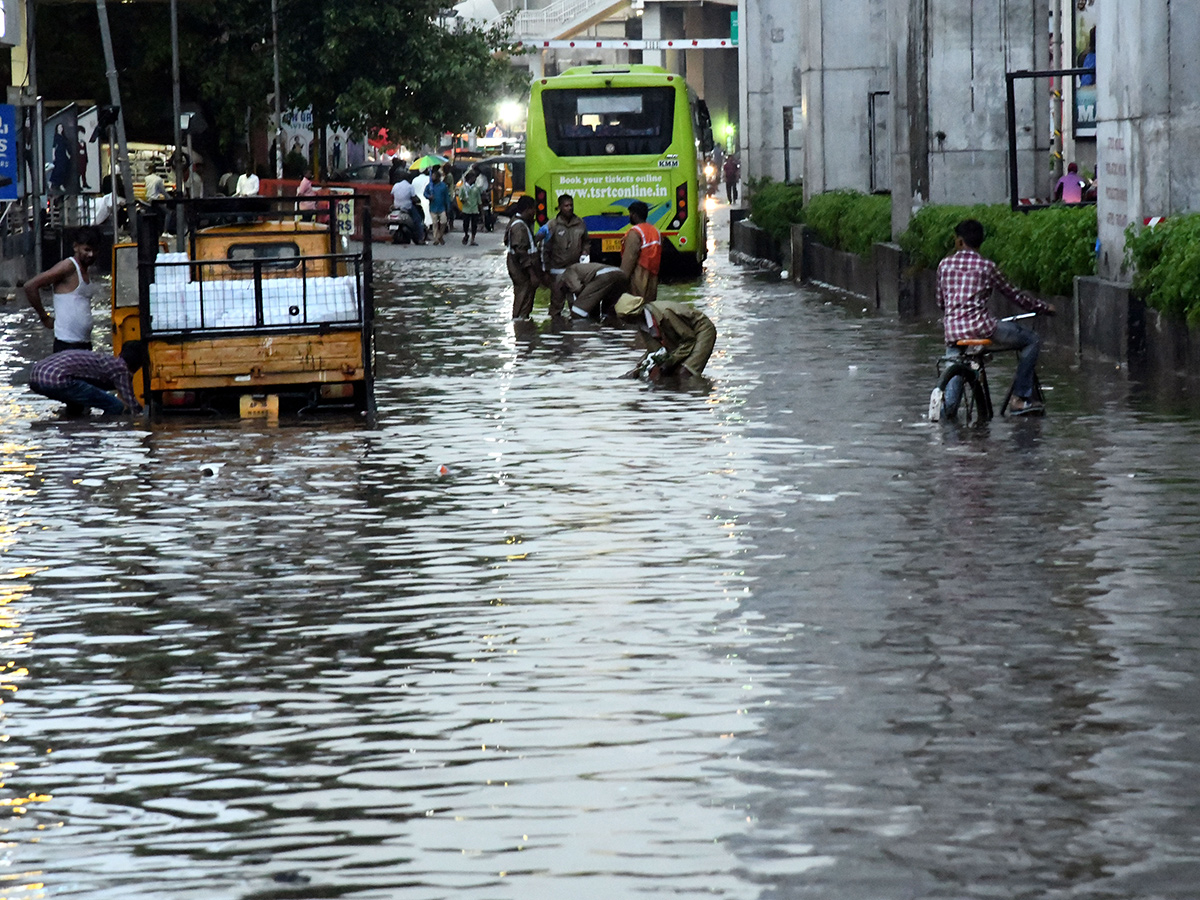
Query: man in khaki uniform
[(687, 334), (566, 242), (590, 289), (524, 267)]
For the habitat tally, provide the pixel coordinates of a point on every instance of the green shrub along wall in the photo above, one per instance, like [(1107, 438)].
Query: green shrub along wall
[(775, 206), (850, 221), (1041, 250), (844, 220), (1166, 262)]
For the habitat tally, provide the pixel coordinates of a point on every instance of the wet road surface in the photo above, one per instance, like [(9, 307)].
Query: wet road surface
[(776, 639)]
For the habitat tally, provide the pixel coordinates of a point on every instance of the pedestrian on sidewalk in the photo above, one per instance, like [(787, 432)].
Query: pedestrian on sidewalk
[(487, 218), (420, 181), (247, 183), (306, 189), (438, 195), (470, 201), (732, 171)]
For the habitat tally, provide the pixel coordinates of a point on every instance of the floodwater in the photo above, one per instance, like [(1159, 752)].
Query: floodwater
[(776, 639)]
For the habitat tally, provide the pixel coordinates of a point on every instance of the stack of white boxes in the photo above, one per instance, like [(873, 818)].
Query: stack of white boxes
[(328, 300), (168, 308), (175, 300)]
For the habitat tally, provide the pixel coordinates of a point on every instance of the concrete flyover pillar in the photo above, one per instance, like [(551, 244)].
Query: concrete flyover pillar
[(1148, 119), (652, 30)]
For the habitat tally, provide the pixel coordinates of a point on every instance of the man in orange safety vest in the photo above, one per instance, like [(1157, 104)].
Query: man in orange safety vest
[(641, 253)]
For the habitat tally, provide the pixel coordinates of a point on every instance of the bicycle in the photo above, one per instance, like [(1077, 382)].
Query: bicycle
[(967, 361)]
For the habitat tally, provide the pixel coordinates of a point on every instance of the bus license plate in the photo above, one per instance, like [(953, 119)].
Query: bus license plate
[(610, 245)]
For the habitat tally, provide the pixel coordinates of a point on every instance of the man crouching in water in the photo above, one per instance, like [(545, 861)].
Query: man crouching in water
[(686, 334), (82, 379)]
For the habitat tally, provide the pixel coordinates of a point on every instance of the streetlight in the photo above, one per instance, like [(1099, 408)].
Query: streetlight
[(509, 112)]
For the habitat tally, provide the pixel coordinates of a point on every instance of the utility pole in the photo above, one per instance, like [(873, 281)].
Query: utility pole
[(178, 126), (278, 99), (38, 136), (114, 91)]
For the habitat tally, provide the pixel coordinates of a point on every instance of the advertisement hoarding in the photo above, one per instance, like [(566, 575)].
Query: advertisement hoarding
[(1084, 47)]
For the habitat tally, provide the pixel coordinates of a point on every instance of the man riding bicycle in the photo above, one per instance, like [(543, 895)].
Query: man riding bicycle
[(965, 282)]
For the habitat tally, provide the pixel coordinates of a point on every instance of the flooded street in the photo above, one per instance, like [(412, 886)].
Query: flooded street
[(779, 639)]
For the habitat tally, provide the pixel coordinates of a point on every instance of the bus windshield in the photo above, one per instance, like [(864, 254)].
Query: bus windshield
[(609, 121)]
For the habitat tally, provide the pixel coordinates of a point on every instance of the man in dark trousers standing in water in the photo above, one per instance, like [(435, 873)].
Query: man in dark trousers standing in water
[(524, 267), (641, 253)]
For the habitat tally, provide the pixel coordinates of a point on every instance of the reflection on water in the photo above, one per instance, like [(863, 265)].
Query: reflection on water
[(551, 633)]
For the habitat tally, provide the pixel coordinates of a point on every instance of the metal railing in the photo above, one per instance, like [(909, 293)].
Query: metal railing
[(550, 20)]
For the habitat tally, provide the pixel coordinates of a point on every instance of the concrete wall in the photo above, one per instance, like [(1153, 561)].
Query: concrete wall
[(843, 60), (750, 245), (1148, 106), (909, 76), (822, 58), (771, 32), (948, 84)]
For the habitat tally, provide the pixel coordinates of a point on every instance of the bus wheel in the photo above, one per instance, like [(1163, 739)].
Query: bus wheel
[(689, 265)]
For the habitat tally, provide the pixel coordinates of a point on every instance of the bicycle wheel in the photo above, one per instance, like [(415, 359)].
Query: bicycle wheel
[(962, 390)]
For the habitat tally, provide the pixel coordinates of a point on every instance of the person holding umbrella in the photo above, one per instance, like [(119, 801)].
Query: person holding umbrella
[(438, 195), (428, 161), (422, 166)]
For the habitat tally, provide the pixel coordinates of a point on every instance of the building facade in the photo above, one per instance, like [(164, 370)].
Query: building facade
[(909, 96), (1147, 118)]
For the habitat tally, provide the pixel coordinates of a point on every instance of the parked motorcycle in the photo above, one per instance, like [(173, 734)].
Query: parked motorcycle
[(402, 227)]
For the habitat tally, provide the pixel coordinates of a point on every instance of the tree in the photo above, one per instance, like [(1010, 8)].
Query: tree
[(359, 64), (226, 58)]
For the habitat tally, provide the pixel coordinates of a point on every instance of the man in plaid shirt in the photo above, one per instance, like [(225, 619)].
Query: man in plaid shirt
[(82, 379), (965, 282)]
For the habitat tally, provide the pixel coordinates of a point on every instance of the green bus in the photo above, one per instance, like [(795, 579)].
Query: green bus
[(610, 135)]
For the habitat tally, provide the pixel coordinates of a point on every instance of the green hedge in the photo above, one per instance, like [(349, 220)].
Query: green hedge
[(1041, 251), (850, 221), (1166, 259), (844, 220), (775, 206)]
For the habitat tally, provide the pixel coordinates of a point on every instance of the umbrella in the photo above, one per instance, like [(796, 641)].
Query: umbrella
[(427, 161)]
